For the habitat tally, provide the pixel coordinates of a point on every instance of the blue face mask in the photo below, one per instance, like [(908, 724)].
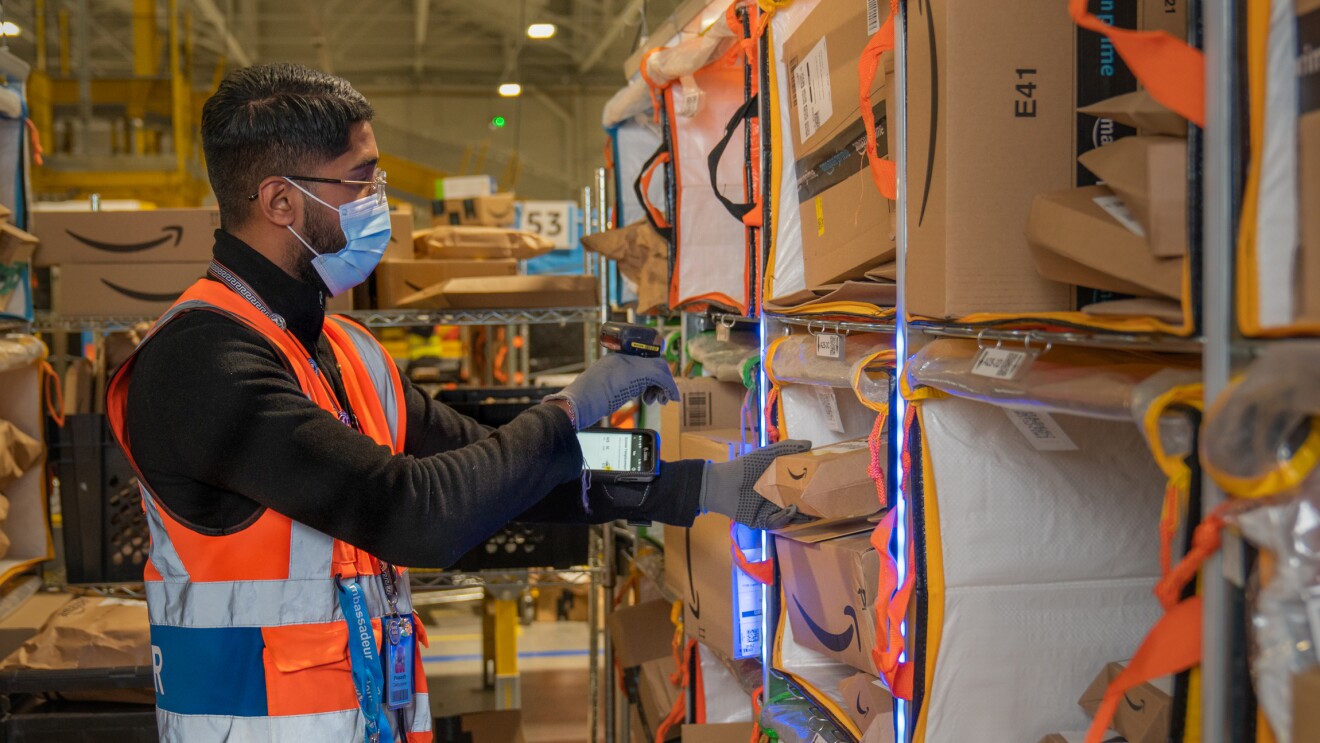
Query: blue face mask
[(366, 225)]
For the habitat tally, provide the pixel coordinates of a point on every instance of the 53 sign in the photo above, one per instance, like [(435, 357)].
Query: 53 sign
[(553, 220)]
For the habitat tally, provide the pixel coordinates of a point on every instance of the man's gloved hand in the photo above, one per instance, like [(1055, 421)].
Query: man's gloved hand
[(728, 488), (610, 383)]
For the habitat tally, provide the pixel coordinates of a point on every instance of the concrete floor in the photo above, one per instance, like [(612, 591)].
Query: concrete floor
[(553, 659)]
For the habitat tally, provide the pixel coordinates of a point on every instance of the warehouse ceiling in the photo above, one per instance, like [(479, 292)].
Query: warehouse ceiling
[(376, 43)]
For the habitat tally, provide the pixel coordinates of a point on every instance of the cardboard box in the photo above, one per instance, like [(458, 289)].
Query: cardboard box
[(343, 303), (999, 82), (496, 210), (1141, 112), (847, 226), (641, 633), (134, 289), (478, 243), (835, 617), (718, 733), (1080, 737), (716, 445), (831, 482), (23, 623), (151, 236), (396, 279), (637, 730), (1148, 713), (865, 699), (698, 560), (657, 694), (1150, 175), (400, 247), (706, 403), (1074, 239), (1306, 705), (16, 250), (507, 292), (465, 187), (1169, 16), (1307, 283), (504, 726)]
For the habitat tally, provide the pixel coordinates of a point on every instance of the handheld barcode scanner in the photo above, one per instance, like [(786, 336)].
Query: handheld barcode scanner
[(631, 340)]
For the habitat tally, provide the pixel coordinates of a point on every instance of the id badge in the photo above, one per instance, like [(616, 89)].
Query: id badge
[(400, 644)]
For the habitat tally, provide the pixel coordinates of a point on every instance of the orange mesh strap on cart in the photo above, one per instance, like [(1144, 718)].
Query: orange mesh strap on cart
[(894, 598), (1172, 71), (762, 572), (883, 171)]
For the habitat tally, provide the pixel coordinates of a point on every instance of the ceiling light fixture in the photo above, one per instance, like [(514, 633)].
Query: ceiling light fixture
[(510, 90), (541, 31), (10, 29)]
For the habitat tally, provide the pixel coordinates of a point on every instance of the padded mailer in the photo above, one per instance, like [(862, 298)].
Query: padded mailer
[(1038, 568)]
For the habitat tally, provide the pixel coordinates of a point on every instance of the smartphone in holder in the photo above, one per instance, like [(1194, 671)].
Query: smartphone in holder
[(621, 454)]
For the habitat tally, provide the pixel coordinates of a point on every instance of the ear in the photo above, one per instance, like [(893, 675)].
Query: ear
[(278, 202)]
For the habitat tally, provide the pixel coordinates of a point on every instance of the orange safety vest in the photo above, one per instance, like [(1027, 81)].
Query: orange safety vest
[(248, 638)]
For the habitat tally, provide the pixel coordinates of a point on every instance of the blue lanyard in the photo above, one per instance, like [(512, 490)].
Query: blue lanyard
[(368, 678)]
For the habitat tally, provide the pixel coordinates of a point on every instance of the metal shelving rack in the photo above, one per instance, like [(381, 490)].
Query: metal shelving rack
[(52, 323)]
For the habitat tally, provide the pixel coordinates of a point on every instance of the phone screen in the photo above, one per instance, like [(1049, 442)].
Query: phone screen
[(610, 451)]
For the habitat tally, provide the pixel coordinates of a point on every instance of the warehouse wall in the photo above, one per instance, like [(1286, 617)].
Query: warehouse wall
[(557, 134)]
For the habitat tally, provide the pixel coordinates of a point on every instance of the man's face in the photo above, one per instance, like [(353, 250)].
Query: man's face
[(321, 224)]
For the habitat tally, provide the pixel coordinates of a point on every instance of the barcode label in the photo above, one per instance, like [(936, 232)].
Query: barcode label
[(1041, 430), (829, 408), (1114, 207), (811, 83), (722, 333), (1001, 363), (872, 17), (747, 608), (696, 410), (829, 346)]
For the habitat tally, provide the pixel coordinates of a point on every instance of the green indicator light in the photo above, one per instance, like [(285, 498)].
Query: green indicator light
[(497, 122)]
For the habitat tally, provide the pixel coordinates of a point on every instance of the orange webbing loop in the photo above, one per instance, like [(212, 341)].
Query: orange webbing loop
[(890, 644), (54, 393), (883, 171), (38, 154), (676, 618), (1168, 527), (875, 469), (771, 428), (756, 714), (1172, 71), (679, 710), (1173, 646), (1174, 643), (651, 87), (762, 572)]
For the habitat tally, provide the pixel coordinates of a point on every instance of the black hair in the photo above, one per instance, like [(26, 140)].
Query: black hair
[(274, 119)]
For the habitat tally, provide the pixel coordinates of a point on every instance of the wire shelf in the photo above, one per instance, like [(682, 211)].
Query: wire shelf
[(52, 323), (1156, 342), (652, 567), (859, 325), (422, 580)]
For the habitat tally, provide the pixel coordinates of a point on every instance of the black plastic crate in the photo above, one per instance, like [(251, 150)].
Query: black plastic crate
[(518, 545), (34, 710), (105, 529), (494, 406)]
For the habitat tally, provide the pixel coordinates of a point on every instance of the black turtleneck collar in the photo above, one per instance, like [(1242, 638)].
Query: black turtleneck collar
[(301, 304)]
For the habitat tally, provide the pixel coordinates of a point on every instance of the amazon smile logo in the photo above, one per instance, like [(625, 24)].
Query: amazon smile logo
[(170, 230), (692, 584), (795, 475), (860, 711), (142, 296), (834, 641)]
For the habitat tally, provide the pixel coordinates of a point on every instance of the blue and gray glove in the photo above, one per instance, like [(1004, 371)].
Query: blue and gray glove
[(728, 488), (610, 383)]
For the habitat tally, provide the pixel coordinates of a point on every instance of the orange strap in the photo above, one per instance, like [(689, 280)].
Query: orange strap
[(1173, 646), (756, 714), (883, 171), (654, 89), (54, 393), (679, 710), (771, 428), (38, 154), (1171, 71), (876, 469), (894, 598), (1174, 643), (762, 572)]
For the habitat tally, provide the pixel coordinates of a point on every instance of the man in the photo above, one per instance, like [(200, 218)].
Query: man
[(287, 468)]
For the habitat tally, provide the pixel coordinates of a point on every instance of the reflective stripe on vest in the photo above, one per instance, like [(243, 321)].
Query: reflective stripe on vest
[(249, 648)]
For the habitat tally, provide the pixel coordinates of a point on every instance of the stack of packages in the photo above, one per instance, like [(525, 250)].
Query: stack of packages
[(848, 243), (16, 249), (1003, 218), (19, 452), (1145, 717), (126, 263), (468, 259)]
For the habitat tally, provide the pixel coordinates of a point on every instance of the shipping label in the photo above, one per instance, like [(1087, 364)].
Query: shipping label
[(811, 84), (873, 17), (1041, 430), (842, 157), (1114, 207), (829, 407)]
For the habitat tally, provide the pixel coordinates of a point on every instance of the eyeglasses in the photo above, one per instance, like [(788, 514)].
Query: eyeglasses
[(376, 184)]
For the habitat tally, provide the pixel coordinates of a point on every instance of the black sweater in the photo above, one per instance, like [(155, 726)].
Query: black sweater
[(221, 431)]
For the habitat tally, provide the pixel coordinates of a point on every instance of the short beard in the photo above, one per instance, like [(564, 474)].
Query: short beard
[(322, 231)]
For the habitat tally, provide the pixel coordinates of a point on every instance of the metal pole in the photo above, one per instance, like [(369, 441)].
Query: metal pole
[(602, 263), (84, 51), (593, 641), (1217, 303)]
